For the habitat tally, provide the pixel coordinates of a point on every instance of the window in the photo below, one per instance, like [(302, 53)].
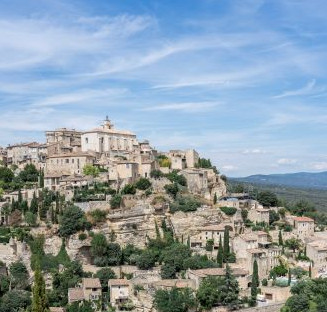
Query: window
[(67, 161), (86, 140)]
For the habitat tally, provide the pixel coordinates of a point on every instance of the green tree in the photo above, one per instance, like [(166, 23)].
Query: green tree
[(6, 175), (293, 243), (209, 245), (30, 218), (220, 254), (209, 292), (226, 244), (254, 284), (230, 290), (174, 300), (34, 207), (168, 271), (29, 174), (215, 199), (39, 299), (267, 199), (143, 184), (72, 221), (15, 301), (91, 170), (172, 189), (129, 189), (146, 260), (41, 179), (115, 201), (298, 303), (104, 276), (19, 275), (289, 280)]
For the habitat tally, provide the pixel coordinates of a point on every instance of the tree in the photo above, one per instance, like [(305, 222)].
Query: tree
[(30, 218), (289, 280), (273, 216), (143, 184), (129, 189), (209, 245), (226, 244), (310, 270), (168, 271), (34, 204), (99, 246), (280, 238), (254, 283), (209, 292), (84, 306), (41, 179), (29, 174), (6, 175), (91, 170), (146, 260), (174, 300), (104, 276), (39, 300), (19, 275), (172, 189), (297, 303), (293, 243), (220, 254), (15, 301), (267, 199), (115, 201), (230, 290), (72, 221)]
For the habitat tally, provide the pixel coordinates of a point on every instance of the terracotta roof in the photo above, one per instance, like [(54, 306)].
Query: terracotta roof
[(75, 294), (91, 283), (303, 219), (219, 272), (118, 282)]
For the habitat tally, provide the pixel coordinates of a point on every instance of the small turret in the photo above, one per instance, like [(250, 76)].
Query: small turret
[(107, 123)]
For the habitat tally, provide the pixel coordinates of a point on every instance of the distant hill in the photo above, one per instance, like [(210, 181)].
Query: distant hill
[(306, 180)]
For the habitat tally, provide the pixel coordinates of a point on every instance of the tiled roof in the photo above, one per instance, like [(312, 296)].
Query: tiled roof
[(303, 219), (91, 283), (75, 294), (118, 282)]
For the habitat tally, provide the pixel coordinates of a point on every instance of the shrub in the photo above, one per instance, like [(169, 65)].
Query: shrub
[(172, 189), (185, 204), (143, 184), (98, 215), (82, 236), (115, 201), (230, 211), (128, 189), (156, 174)]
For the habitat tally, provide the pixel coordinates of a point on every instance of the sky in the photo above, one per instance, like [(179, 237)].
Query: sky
[(241, 81)]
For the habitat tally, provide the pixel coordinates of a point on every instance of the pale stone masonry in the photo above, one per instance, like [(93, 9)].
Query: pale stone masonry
[(90, 290), (119, 291)]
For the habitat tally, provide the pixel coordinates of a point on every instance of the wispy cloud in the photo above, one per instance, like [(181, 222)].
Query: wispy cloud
[(287, 161), (307, 89), (189, 107)]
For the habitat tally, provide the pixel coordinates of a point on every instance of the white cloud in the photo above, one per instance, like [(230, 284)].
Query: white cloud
[(189, 107), (307, 89), (229, 168), (254, 151), (319, 165), (287, 161)]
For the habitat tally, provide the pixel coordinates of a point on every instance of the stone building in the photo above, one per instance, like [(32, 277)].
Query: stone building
[(303, 227), (317, 252), (26, 153), (259, 215), (198, 275), (63, 141), (109, 141), (183, 159), (168, 284), (90, 290), (119, 291), (197, 180)]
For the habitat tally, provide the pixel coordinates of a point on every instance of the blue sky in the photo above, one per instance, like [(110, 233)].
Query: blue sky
[(242, 81)]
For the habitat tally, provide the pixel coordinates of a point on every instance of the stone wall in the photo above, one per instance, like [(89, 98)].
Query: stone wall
[(269, 308)]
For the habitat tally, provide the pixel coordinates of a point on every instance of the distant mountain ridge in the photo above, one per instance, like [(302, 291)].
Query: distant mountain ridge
[(313, 180)]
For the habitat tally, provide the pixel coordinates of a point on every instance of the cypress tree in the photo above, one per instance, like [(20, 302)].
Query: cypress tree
[(20, 197), (39, 300), (254, 283), (157, 231), (41, 177), (289, 277), (226, 244), (280, 238), (310, 271), (34, 204), (220, 254)]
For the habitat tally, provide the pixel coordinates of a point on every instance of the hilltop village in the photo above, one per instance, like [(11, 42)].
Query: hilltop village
[(105, 222)]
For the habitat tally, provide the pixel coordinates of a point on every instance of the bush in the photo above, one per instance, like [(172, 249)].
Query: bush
[(156, 174), (172, 189), (185, 204), (98, 215), (146, 260), (115, 201), (264, 282), (143, 184), (82, 236), (230, 211), (176, 178), (128, 189)]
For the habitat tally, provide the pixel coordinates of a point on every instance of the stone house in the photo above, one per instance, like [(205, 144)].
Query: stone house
[(317, 252), (26, 153), (197, 180), (303, 227), (90, 290), (213, 232), (198, 275), (63, 141), (68, 164), (183, 159), (127, 171), (119, 291), (259, 215)]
